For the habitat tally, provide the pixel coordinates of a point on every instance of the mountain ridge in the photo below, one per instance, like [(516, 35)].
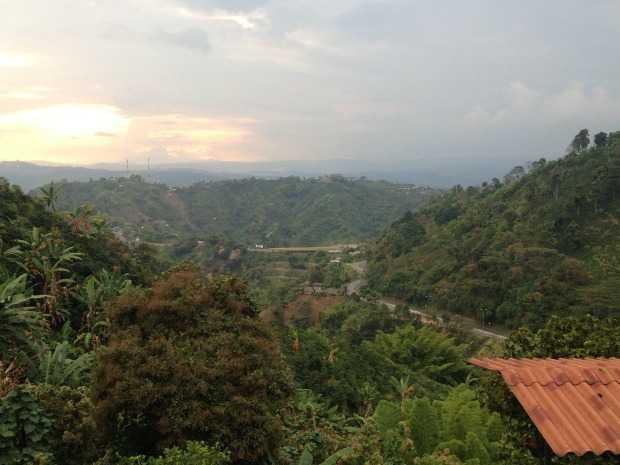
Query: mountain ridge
[(515, 252)]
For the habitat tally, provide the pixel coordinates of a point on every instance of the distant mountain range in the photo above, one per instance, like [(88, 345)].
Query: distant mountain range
[(30, 176), (437, 173)]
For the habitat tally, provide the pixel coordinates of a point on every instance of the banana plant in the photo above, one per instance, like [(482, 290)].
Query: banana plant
[(81, 219), (403, 387), (306, 457), (56, 366), (50, 196), (21, 324), (93, 294), (44, 258)]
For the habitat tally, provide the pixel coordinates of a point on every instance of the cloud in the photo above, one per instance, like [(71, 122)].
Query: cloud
[(378, 20), (249, 21), (85, 133), (527, 107), (228, 5), (70, 120), (32, 93), (192, 39)]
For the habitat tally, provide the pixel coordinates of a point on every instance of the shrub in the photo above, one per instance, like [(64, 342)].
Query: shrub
[(194, 453)]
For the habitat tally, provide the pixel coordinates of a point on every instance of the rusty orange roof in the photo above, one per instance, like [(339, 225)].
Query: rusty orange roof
[(574, 403)]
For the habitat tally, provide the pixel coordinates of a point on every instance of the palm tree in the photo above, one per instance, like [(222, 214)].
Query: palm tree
[(20, 323)]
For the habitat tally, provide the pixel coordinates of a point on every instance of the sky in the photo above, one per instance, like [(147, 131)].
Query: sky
[(408, 81)]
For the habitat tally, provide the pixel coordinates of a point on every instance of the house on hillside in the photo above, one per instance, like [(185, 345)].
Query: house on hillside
[(317, 289)]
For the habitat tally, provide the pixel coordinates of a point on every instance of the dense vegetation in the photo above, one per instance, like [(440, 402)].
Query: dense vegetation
[(106, 358), (249, 211), (543, 242)]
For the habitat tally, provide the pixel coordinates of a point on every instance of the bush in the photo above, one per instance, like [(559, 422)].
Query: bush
[(194, 453), (24, 429), (72, 439)]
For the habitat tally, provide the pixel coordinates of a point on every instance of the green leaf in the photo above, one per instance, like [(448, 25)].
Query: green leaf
[(333, 459), (306, 458)]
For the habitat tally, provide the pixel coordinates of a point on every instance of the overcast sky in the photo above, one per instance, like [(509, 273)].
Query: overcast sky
[(86, 81)]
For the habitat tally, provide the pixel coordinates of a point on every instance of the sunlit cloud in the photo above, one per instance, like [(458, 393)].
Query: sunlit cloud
[(249, 21), (191, 137), (71, 120), (14, 60), (21, 95), (32, 93), (89, 133)]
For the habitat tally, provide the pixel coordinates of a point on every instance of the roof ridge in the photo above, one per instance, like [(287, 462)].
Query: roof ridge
[(562, 383)]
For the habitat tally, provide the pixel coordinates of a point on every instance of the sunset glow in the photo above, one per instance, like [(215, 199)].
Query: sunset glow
[(66, 121), (75, 131), (13, 60)]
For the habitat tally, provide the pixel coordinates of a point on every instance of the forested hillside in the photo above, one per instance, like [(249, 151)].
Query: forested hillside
[(283, 211), (544, 241)]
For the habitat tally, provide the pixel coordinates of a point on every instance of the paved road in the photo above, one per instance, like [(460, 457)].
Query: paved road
[(336, 248), (417, 312), (487, 333)]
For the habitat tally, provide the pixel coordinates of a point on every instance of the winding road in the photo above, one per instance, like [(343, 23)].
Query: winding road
[(417, 312)]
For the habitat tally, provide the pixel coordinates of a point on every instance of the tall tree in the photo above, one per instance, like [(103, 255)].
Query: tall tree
[(581, 141), (600, 139), (191, 360)]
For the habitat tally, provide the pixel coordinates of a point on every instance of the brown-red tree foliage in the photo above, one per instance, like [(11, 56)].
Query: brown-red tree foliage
[(190, 360)]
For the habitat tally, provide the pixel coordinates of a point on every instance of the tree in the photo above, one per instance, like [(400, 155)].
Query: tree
[(586, 336), (600, 139), (190, 359), (581, 141), (514, 174)]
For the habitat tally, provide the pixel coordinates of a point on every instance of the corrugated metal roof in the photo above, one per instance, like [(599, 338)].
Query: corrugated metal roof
[(574, 403)]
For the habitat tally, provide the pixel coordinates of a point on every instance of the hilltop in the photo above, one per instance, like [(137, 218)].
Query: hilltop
[(285, 211), (543, 241)]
